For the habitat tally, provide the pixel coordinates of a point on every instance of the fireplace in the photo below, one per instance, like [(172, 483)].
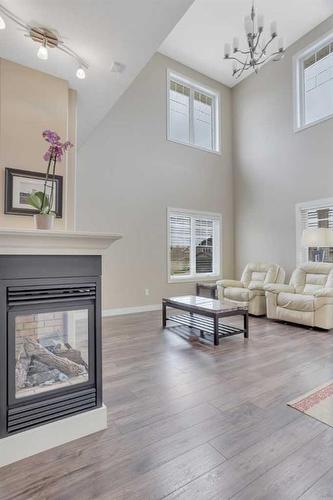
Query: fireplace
[(50, 339)]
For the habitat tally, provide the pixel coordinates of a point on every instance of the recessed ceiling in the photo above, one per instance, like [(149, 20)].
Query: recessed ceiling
[(198, 39), (101, 32)]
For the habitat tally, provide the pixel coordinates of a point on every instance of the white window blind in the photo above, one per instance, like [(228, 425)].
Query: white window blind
[(180, 245), (192, 114), (317, 214), (315, 83), (194, 245)]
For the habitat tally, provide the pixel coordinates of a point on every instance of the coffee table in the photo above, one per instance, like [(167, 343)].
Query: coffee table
[(205, 314)]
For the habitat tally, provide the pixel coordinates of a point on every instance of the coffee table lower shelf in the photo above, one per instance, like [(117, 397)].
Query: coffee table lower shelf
[(205, 315)]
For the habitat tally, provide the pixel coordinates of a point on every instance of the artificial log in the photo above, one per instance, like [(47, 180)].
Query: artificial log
[(66, 366), (73, 355), (22, 368)]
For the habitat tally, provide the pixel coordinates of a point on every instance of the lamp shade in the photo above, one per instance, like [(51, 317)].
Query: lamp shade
[(317, 237)]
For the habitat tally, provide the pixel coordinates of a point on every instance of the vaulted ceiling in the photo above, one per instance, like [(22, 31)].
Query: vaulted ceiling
[(198, 39), (100, 31)]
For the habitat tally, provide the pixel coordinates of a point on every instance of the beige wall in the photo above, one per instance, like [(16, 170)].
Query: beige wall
[(30, 102), (128, 174), (275, 168)]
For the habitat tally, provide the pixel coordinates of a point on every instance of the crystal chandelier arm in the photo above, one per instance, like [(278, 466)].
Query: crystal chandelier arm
[(236, 59), (267, 44), (245, 52), (257, 41), (241, 70), (273, 54)]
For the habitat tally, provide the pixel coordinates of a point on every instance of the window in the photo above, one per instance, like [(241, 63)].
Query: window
[(193, 245), (193, 117), (314, 214), (314, 83)]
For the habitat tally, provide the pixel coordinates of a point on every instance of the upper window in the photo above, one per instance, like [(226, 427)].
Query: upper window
[(193, 245), (314, 83), (193, 117), (312, 215)]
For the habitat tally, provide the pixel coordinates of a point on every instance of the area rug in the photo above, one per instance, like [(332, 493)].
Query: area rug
[(317, 403)]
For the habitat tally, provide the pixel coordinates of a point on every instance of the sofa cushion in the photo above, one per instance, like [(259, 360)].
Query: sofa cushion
[(240, 294), (296, 301)]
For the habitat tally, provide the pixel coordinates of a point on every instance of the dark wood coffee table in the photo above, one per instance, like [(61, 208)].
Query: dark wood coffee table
[(204, 314)]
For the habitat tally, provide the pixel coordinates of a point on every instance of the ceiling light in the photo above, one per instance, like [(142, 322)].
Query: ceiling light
[(256, 53), (45, 38), (80, 73), (43, 52)]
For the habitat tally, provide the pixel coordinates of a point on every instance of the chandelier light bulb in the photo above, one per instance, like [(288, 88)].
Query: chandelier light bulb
[(43, 53), (260, 22), (80, 73), (235, 44), (273, 28), (248, 25), (280, 43), (2, 24), (226, 50)]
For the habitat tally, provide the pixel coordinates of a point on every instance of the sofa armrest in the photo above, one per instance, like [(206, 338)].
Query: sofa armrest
[(229, 283), (279, 287), (323, 292)]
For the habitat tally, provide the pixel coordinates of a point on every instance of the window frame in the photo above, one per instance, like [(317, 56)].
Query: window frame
[(217, 247), (301, 253), (298, 82), (195, 86)]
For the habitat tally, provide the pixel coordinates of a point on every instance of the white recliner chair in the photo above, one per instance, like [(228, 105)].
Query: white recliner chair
[(307, 300), (249, 291)]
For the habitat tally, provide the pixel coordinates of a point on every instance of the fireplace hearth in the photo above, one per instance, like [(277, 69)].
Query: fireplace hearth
[(50, 339)]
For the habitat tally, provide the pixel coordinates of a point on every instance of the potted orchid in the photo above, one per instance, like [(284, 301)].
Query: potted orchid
[(43, 201)]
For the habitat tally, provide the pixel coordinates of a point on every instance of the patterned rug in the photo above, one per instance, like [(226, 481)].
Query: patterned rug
[(317, 403)]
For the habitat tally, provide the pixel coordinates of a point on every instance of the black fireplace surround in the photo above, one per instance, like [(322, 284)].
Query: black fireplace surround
[(50, 339)]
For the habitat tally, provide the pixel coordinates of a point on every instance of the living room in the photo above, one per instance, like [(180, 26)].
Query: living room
[(166, 260)]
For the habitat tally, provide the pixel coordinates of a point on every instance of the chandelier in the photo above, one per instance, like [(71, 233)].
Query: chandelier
[(46, 39), (256, 53)]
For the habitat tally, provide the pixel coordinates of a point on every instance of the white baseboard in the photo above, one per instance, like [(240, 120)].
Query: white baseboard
[(130, 310), (28, 443)]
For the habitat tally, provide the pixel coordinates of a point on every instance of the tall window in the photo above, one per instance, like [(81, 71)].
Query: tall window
[(314, 214), (314, 83), (193, 117), (193, 245)]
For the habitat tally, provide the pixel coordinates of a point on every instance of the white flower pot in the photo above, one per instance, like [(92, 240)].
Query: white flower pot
[(44, 221)]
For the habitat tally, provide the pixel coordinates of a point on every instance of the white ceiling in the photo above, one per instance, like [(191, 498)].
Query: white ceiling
[(100, 31), (198, 39)]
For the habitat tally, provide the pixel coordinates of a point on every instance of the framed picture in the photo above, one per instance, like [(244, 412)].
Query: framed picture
[(19, 184)]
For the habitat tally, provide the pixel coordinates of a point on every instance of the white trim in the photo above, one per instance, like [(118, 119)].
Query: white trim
[(198, 277), (130, 310), (47, 436), (306, 205), (298, 82), (217, 113)]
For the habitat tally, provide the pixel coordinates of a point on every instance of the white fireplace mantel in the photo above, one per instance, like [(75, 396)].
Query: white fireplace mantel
[(44, 242)]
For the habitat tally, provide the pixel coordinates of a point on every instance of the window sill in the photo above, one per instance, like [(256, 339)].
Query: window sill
[(312, 124), (195, 279), (194, 146)]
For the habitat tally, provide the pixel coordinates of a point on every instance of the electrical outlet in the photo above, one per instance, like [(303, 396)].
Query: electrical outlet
[(147, 291)]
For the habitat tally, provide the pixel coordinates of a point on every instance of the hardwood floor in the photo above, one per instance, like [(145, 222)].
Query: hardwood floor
[(194, 422)]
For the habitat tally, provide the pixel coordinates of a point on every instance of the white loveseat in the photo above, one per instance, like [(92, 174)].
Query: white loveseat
[(307, 300), (249, 291)]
